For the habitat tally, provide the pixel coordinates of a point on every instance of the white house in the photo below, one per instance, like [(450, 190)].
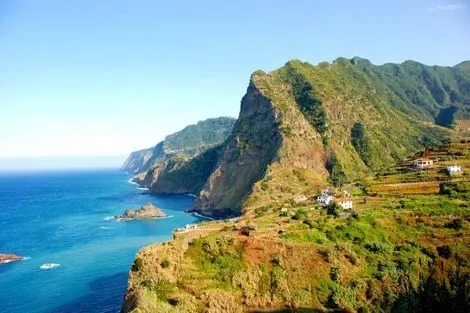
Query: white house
[(324, 199), (346, 203), (423, 162), (190, 226), (454, 169)]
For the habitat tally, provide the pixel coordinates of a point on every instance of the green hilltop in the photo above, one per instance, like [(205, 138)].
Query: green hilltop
[(331, 123), (355, 129), (303, 126)]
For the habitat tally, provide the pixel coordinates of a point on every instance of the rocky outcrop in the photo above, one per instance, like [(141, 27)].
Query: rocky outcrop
[(148, 211), (304, 126), (244, 160), (7, 258), (183, 176), (140, 161)]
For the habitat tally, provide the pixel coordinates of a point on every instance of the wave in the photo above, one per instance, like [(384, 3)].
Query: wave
[(203, 216), (107, 218), (105, 227), (191, 195), (130, 181), (143, 188)]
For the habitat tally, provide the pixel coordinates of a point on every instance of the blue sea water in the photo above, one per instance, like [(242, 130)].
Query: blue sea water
[(64, 217)]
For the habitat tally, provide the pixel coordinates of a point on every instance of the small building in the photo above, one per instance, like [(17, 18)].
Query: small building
[(324, 199), (454, 169), (423, 162), (190, 226), (345, 203)]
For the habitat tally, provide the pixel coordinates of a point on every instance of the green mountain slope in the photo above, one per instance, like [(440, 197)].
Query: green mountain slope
[(424, 91), (179, 147), (304, 125)]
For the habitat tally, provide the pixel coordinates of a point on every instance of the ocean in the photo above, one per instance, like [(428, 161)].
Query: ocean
[(64, 217)]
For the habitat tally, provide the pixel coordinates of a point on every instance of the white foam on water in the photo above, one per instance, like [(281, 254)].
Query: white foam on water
[(203, 216), (49, 266), (130, 181)]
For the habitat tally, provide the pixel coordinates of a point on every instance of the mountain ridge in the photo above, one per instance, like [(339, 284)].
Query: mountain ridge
[(329, 119)]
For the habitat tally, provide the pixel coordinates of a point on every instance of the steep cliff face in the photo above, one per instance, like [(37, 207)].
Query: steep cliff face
[(251, 147), (303, 126), (177, 148), (140, 161), (186, 176)]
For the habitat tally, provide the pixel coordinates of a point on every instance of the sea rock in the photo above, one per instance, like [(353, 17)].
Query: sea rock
[(148, 211), (7, 258)]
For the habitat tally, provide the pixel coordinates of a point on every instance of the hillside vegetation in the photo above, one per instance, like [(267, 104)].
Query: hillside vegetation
[(174, 155), (302, 127), (348, 126), (399, 253)]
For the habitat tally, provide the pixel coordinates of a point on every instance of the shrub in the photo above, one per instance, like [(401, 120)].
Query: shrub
[(335, 273), (261, 211), (137, 265), (300, 214), (165, 263), (333, 209), (308, 222), (376, 247), (444, 251), (455, 224)]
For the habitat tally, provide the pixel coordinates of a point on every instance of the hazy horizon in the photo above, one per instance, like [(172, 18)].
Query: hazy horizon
[(60, 162)]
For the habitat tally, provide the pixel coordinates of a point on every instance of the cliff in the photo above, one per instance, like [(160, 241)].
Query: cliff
[(392, 253), (177, 148), (303, 126)]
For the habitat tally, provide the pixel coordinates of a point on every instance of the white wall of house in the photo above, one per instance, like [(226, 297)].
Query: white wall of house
[(324, 199), (454, 169), (422, 163), (347, 204)]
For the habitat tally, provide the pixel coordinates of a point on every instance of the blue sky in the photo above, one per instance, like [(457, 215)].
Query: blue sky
[(88, 78)]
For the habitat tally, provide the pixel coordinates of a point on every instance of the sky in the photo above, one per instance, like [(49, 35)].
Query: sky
[(103, 78)]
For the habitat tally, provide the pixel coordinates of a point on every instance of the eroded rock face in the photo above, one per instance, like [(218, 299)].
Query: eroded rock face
[(251, 147), (189, 142), (148, 211), (7, 258)]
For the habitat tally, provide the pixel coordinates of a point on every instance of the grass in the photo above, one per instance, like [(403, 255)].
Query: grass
[(400, 251)]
